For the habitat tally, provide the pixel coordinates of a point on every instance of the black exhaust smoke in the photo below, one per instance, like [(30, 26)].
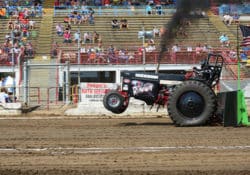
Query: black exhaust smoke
[(185, 10)]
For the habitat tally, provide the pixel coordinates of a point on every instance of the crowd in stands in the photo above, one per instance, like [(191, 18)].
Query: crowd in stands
[(12, 8), (122, 24), (21, 27), (17, 43)]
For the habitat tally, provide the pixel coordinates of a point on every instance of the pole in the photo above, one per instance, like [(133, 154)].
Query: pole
[(25, 83), (67, 78), (13, 66), (238, 58), (143, 47), (79, 61)]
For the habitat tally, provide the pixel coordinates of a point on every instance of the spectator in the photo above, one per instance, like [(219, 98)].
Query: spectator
[(9, 84), (150, 45), (78, 19), (115, 24), (2, 84), (71, 17), (181, 32), (124, 23), (227, 19), (10, 24), (91, 18), (149, 10), (236, 18), (244, 56), (156, 31), (59, 29), (98, 2), (116, 2), (122, 55), (77, 37), (66, 19), (67, 37), (32, 12), (87, 38), (233, 55), (2, 13), (4, 97), (176, 48), (31, 24), (151, 42), (55, 47), (84, 18), (68, 27), (111, 54), (96, 37), (106, 3), (206, 48), (189, 48), (150, 2), (224, 40), (158, 8), (25, 33), (29, 50), (91, 11), (84, 9), (7, 37), (198, 49)]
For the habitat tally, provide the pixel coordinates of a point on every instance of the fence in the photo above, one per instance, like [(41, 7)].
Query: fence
[(234, 8), (114, 10), (137, 57)]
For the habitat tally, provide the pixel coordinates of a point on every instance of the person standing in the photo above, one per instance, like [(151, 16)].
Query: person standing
[(4, 97)]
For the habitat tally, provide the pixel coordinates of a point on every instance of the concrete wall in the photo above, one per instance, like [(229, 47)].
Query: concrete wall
[(9, 109), (136, 107)]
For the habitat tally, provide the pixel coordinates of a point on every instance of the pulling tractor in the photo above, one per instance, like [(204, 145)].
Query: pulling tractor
[(190, 97)]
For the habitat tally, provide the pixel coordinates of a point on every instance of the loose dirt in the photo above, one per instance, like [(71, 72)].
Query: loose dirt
[(122, 146)]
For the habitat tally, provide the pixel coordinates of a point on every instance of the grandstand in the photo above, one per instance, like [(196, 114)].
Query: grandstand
[(204, 30)]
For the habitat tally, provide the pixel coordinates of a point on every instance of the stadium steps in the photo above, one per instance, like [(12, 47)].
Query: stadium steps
[(48, 4), (44, 40), (201, 31), (119, 38), (222, 28)]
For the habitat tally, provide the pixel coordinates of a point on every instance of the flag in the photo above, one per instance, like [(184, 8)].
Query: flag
[(245, 30)]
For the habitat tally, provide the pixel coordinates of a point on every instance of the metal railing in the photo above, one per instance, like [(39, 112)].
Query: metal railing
[(114, 10), (137, 57)]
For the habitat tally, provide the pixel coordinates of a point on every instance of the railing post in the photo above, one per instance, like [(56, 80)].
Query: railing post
[(25, 83), (67, 80)]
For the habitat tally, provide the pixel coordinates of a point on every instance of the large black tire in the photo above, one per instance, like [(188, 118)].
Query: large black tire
[(115, 102), (191, 103)]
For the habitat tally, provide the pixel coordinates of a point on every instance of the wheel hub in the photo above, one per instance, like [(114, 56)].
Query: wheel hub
[(191, 104), (113, 101)]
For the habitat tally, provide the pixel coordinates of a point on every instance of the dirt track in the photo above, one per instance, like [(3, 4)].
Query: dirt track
[(124, 146)]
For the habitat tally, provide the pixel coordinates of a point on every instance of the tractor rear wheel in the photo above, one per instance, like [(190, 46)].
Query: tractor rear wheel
[(191, 103), (115, 102)]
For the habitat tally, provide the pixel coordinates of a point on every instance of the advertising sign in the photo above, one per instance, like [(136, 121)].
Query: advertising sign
[(94, 92)]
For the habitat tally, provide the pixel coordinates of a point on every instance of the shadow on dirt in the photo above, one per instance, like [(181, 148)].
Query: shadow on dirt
[(145, 124)]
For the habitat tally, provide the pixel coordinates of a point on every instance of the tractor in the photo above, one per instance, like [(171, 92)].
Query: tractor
[(190, 97)]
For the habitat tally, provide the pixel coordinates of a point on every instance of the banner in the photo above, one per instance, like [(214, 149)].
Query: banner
[(94, 92)]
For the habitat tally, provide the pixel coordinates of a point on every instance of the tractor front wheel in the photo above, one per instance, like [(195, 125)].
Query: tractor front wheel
[(115, 102)]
